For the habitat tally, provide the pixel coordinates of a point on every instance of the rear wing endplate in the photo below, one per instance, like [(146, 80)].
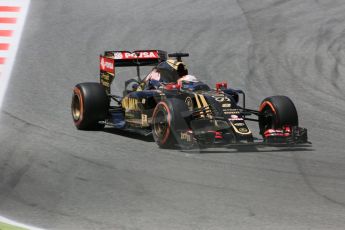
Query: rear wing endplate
[(106, 72)]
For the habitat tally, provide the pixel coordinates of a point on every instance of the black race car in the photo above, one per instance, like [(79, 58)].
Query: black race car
[(177, 112)]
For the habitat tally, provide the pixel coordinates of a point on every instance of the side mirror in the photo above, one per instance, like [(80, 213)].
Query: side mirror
[(221, 86)]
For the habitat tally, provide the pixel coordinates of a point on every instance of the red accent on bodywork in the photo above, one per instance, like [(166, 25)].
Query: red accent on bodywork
[(217, 134), (107, 64), (221, 85), (284, 132), (172, 86), (287, 129), (2, 60)]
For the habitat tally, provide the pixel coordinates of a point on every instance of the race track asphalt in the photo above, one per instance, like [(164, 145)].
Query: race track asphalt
[(53, 176)]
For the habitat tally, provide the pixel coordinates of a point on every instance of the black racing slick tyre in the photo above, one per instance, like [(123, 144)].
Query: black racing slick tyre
[(90, 105), (276, 112), (169, 119)]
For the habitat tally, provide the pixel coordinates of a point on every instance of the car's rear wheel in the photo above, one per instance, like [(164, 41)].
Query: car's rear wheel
[(169, 120), (277, 112), (90, 105)]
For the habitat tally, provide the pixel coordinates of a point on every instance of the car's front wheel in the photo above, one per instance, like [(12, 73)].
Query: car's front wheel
[(277, 112)]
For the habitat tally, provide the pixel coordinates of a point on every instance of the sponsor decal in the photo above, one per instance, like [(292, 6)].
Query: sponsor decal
[(106, 64), (221, 98), (226, 105), (243, 130), (189, 103), (136, 55), (239, 124), (144, 120), (130, 104), (105, 83), (234, 117), (231, 111), (118, 55), (187, 136), (105, 77)]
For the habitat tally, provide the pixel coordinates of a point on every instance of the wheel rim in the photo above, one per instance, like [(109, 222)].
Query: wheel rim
[(76, 107), (267, 121), (161, 124)]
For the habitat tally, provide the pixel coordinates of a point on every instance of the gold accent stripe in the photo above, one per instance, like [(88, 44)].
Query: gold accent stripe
[(206, 106), (203, 100), (197, 100), (198, 104)]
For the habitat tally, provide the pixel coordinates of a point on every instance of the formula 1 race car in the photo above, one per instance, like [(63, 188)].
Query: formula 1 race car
[(178, 112)]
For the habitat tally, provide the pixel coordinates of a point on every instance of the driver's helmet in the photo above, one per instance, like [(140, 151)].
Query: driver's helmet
[(153, 75), (187, 78)]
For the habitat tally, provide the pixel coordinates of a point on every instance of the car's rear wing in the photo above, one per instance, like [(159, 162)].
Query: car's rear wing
[(137, 58), (112, 59)]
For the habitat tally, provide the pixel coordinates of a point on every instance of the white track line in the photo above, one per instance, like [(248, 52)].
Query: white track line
[(13, 40), (9, 55), (16, 224)]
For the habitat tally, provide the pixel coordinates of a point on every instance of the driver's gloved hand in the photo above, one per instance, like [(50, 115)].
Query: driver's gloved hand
[(153, 84)]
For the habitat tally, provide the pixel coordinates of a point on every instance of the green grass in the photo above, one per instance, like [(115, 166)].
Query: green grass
[(4, 226)]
